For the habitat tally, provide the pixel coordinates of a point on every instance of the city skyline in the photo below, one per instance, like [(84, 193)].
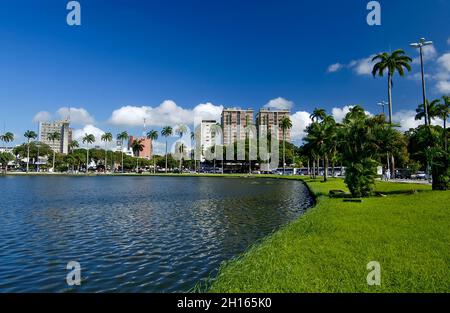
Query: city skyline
[(114, 70)]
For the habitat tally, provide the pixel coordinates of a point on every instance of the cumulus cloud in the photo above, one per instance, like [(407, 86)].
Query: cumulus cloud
[(279, 104), (407, 120), (429, 53), (167, 113), (77, 115), (443, 74), (362, 66), (42, 116), (78, 135), (335, 67), (300, 120), (340, 113)]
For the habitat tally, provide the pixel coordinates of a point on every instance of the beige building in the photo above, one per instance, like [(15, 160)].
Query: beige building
[(233, 121), (61, 127), (270, 118)]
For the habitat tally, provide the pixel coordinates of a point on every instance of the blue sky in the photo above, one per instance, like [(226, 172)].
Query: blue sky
[(130, 56)]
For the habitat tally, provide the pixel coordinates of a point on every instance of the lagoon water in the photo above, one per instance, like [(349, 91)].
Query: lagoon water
[(134, 234)]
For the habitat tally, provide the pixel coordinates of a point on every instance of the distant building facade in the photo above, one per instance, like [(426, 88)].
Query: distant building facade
[(233, 121), (271, 118), (147, 152), (61, 127)]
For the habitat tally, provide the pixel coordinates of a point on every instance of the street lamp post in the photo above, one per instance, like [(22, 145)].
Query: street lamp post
[(422, 43), (382, 104)]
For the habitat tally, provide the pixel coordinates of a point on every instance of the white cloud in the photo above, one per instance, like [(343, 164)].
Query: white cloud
[(335, 67), (167, 113), (78, 135), (362, 66), (300, 120), (77, 115), (340, 113), (444, 61), (429, 53), (280, 104), (443, 74), (443, 86), (42, 116), (407, 120)]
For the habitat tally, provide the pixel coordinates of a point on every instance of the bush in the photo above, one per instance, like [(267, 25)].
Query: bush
[(360, 177)]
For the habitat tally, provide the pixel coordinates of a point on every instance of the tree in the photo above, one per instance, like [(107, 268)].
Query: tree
[(5, 158), (153, 135), (286, 124), (433, 110), (137, 147), (54, 137), (443, 112), (166, 132), (88, 139), (122, 137), (106, 137), (180, 131), (397, 61), (29, 134), (318, 114), (72, 145)]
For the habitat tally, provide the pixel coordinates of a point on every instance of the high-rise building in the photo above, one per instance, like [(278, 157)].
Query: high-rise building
[(233, 121), (147, 152), (61, 127), (270, 118)]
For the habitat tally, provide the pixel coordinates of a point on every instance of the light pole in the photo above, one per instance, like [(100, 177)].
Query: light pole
[(382, 104), (422, 43)]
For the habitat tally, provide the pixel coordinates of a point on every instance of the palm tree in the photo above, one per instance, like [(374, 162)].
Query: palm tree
[(122, 137), (193, 151), (443, 112), (53, 137), (181, 130), (285, 124), (397, 61), (6, 138), (137, 147), (153, 135), (432, 109), (88, 139), (72, 145), (106, 137), (29, 134), (318, 114), (166, 132)]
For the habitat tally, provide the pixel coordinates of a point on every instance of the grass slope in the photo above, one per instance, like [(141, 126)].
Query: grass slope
[(327, 250)]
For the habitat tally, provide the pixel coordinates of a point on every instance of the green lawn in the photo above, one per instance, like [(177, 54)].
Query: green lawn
[(327, 250)]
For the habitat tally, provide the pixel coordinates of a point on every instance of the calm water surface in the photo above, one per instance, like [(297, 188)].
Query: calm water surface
[(134, 234)]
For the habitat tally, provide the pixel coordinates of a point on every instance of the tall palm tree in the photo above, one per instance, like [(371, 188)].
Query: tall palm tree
[(137, 147), (153, 135), (106, 137), (54, 137), (72, 145), (193, 151), (397, 61), (29, 134), (6, 138), (166, 132), (318, 114), (180, 131), (88, 139), (432, 109), (443, 112), (286, 124), (122, 137)]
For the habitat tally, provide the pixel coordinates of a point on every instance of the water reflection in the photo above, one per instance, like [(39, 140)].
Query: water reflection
[(134, 234)]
